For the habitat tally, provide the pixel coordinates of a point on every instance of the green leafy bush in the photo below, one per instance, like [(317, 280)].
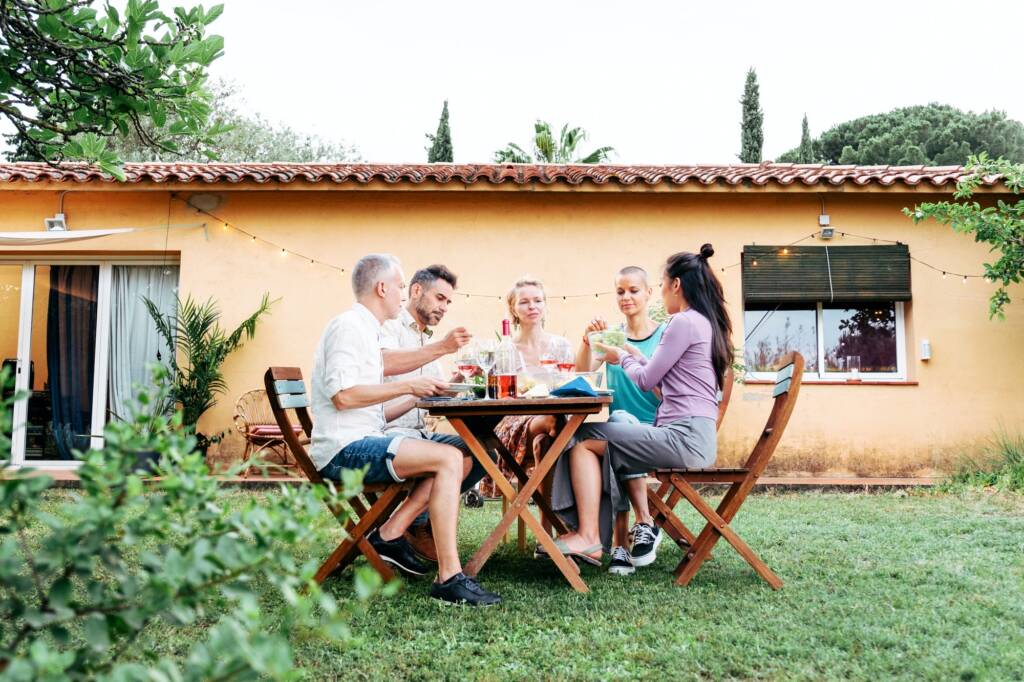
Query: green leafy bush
[(1000, 466), (82, 589)]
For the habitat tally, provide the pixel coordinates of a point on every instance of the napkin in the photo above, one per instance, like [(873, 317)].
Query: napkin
[(577, 388)]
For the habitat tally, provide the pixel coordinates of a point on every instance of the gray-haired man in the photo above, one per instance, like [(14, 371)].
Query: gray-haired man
[(347, 400)]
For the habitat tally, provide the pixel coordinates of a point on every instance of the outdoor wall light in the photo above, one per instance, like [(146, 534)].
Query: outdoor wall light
[(204, 201), (926, 349), (56, 224)]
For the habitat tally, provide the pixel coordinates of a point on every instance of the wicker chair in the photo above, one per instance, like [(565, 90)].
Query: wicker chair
[(255, 421)]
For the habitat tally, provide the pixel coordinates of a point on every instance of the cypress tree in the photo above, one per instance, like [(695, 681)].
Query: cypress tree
[(751, 136), (440, 149), (806, 152)]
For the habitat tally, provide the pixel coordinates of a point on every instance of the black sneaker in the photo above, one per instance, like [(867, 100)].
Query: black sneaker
[(622, 562), (646, 539), (461, 589), (398, 553)]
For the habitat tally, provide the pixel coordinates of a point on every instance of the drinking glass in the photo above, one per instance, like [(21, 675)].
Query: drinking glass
[(466, 361), (853, 367), (485, 361), (566, 359)]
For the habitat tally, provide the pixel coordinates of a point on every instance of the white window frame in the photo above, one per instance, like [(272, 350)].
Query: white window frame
[(102, 351), (823, 376)]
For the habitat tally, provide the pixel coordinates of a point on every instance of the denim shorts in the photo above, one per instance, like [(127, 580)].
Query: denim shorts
[(375, 453)]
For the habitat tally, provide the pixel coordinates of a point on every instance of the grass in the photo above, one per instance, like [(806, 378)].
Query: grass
[(919, 586), (1000, 466)]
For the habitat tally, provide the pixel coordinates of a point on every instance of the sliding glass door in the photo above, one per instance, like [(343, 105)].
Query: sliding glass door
[(77, 368)]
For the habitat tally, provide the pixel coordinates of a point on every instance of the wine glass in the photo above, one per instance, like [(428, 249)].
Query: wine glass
[(566, 359), (485, 361), (465, 361)]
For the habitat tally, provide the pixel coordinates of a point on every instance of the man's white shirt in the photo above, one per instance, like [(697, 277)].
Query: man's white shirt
[(349, 354), (403, 333)]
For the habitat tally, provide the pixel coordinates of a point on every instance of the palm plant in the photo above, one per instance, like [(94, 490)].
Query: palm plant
[(194, 331), (546, 149)]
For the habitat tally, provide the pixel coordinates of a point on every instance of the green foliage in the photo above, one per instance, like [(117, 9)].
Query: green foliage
[(936, 135), (546, 149), (806, 150), (440, 149), (194, 331), (72, 76), (1000, 226), (751, 133), (1001, 466), (245, 138), (84, 585)]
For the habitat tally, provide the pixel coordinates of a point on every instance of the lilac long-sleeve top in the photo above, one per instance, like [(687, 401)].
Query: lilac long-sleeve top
[(681, 367)]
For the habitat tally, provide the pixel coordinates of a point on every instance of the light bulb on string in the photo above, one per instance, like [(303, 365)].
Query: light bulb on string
[(965, 279), (943, 275), (754, 263), (283, 253), (785, 252)]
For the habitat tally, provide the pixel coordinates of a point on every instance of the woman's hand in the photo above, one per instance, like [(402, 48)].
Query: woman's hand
[(612, 354), (596, 325), (632, 350)]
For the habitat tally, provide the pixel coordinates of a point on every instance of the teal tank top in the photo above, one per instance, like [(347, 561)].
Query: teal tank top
[(641, 404)]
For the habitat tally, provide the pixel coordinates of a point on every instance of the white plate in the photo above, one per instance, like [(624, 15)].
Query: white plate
[(464, 387)]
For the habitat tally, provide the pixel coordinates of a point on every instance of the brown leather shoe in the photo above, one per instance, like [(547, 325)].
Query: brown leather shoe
[(422, 540)]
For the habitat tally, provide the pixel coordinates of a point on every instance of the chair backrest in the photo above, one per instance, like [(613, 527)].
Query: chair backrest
[(723, 403), (287, 391), (253, 409), (787, 387)]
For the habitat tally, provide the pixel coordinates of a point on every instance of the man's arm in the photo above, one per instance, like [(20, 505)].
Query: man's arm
[(402, 360), (394, 409), (365, 395)]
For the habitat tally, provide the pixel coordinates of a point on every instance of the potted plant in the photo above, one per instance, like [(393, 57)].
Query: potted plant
[(194, 331)]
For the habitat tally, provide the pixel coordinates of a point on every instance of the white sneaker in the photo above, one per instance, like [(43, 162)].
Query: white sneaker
[(622, 562)]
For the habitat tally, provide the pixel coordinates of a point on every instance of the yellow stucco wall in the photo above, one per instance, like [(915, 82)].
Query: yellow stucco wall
[(575, 242)]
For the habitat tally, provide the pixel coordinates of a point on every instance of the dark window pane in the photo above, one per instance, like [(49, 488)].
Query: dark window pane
[(771, 333), (864, 331)]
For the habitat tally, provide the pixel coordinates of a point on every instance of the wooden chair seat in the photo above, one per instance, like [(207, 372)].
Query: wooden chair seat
[(287, 391), (677, 484)]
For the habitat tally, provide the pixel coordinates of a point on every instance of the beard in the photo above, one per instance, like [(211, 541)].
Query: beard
[(427, 315)]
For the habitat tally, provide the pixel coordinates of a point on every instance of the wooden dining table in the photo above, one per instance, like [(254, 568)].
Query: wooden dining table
[(475, 420)]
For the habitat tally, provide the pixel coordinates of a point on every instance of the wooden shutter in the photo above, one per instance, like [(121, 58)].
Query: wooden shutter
[(773, 274)]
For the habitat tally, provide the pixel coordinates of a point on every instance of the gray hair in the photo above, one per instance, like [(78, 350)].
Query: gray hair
[(370, 269)]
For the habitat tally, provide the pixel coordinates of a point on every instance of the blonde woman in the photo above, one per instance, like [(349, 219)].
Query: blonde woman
[(527, 308)]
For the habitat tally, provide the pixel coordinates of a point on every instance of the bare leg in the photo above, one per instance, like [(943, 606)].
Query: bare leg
[(414, 505), (636, 488), (585, 468), (445, 464)]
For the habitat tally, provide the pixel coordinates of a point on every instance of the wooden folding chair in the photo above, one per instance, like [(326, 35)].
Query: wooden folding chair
[(665, 492), (287, 391), (741, 480)]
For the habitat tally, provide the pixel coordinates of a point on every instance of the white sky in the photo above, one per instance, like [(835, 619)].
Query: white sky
[(660, 81)]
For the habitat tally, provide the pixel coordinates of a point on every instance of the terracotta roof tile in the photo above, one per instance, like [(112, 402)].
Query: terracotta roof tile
[(469, 174)]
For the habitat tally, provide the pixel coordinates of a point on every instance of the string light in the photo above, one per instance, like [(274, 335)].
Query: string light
[(943, 274), (785, 252), (965, 279), (283, 253)]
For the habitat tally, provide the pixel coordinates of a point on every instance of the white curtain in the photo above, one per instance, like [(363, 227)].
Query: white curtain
[(134, 341)]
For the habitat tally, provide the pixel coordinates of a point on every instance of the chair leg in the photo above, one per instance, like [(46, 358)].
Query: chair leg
[(718, 527), (345, 552), (246, 454)]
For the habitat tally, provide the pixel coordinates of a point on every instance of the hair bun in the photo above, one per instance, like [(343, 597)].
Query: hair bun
[(707, 251)]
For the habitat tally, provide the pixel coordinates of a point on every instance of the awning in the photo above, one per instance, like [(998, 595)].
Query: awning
[(41, 238), (807, 274)]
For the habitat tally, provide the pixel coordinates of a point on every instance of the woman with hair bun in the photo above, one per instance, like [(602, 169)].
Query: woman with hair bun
[(688, 367)]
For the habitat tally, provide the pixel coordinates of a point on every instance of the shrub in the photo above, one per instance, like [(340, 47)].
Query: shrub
[(79, 589), (1001, 466)]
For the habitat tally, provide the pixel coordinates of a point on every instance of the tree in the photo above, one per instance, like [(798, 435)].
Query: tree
[(1000, 226), (246, 138), (440, 149), (934, 135), (751, 133), (72, 76), (546, 149), (806, 146)]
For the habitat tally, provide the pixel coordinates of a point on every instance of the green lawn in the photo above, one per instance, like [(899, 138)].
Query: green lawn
[(915, 586)]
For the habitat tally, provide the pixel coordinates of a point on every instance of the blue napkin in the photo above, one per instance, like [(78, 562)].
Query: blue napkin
[(577, 388)]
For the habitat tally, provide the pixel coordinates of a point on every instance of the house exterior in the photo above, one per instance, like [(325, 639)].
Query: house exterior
[(935, 377)]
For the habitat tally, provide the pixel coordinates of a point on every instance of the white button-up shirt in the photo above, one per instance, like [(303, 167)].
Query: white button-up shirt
[(403, 333), (348, 355)]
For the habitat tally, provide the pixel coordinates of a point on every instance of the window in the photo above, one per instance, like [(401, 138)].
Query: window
[(840, 307), (868, 338)]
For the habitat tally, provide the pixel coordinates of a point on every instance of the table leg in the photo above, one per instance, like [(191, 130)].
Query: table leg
[(519, 507)]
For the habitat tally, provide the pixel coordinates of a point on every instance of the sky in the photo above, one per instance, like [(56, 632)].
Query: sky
[(659, 81)]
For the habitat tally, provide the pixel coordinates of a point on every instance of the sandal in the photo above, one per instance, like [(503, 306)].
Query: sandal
[(583, 555)]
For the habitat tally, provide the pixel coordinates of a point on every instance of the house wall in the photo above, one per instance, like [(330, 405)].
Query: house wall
[(575, 242)]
